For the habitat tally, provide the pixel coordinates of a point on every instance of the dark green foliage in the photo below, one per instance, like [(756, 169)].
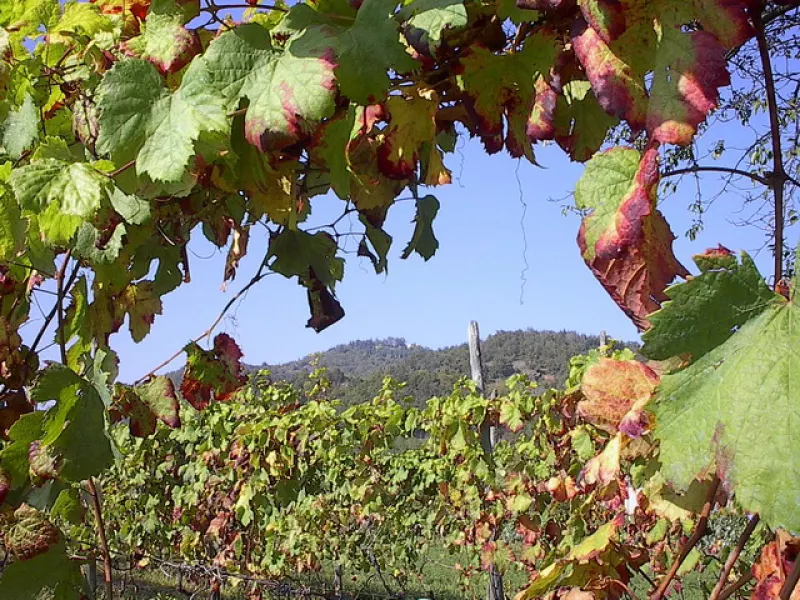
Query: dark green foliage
[(357, 369)]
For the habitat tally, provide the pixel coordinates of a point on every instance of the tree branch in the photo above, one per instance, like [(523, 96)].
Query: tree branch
[(778, 175), (697, 534), (49, 318), (101, 533), (256, 278), (733, 557), (731, 171), (59, 307), (740, 583)]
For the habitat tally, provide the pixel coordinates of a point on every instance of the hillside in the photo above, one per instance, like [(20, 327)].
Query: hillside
[(357, 368)]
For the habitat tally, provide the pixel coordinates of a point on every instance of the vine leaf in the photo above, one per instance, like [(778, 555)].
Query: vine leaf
[(618, 50), (580, 123), (146, 403), (20, 129), (503, 86), (688, 74), (773, 566), (594, 558), (5, 484), (423, 241), (12, 227), (52, 571), (705, 311), (380, 242), (709, 413), (14, 456), (165, 42), (212, 374), (325, 308), (624, 239), (603, 469), (297, 254), (426, 22), (615, 392), (290, 89), (141, 120), (63, 194), (412, 122), (72, 431), (367, 50), (31, 534)]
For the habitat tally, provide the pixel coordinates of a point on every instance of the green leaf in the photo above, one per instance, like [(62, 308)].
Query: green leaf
[(73, 430), (12, 226), (367, 50), (581, 123), (290, 90), (706, 310), (380, 241), (68, 506), (52, 571), (62, 194), (14, 456), (729, 412), (76, 188), (21, 128), (503, 85), (142, 303), (334, 149), (423, 241), (426, 21), (96, 246), (298, 253), (131, 208), (511, 416), (141, 120)]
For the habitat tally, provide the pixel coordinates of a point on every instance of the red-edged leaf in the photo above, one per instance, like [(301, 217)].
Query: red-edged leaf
[(412, 122), (603, 469), (776, 561), (624, 239), (212, 374), (5, 484), (44, 462), (165, 42), (31, 533), (613, 389), (144, 404)]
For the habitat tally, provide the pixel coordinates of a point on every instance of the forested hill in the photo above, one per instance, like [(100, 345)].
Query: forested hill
[(357, 369)]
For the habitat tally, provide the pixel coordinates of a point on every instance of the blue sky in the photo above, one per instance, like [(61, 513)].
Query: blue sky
[(476, 274)]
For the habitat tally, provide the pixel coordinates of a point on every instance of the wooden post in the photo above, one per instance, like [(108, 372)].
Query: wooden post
[(488, 435)]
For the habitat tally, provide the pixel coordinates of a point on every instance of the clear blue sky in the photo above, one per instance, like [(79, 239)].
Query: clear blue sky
[(476, 274)]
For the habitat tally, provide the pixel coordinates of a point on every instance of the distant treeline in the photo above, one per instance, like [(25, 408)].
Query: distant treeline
[(356, 369)]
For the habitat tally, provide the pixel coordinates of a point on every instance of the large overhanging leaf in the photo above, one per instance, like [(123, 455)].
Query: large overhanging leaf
[(289, 89), (141, 120), (365, 51), (624, 239), (621, 46), (731, 411)]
